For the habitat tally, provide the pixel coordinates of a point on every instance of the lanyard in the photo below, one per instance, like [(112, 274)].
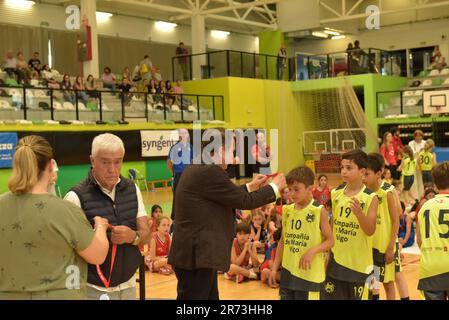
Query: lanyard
[(100, 273)]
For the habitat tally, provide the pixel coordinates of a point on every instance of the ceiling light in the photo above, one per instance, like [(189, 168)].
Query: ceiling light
[(103, 16), (320, 34), (165, 26), (332, 33), (338, 37), (20, 4), (218, 34)]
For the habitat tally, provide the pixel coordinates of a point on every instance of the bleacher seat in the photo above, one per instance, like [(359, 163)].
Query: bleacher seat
[(4, 104), (57, 105), (444, 72), (40, 94), (175, 108), (68, 106), (14, 92), (192, 108), (81, 106), (434, 73)]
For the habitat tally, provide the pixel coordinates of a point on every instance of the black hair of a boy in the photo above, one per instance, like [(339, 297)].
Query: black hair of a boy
[(243, 227), (301, 174), (277, 234), (440, 175), (359, 157), (376, 162)]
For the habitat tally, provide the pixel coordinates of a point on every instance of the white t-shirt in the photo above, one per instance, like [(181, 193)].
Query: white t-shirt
[(141, 212), (417, 147)]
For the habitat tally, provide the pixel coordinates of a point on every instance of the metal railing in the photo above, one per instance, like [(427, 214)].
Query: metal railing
[(231, 63), (352, 62), (40, 103)]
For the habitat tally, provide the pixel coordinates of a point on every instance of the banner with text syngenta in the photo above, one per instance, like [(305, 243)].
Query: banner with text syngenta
[(157, 143)]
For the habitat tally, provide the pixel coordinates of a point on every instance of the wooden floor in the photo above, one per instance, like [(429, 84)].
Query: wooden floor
[(164, 287)]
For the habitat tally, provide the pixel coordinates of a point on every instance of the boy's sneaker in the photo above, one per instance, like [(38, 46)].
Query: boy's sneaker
[(228, 277)]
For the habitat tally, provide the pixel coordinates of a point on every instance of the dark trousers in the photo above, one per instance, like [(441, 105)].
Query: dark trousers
[(197, 284), (176, 178)]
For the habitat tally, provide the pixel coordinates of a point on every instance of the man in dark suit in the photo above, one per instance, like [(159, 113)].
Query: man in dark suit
[(204, 229)]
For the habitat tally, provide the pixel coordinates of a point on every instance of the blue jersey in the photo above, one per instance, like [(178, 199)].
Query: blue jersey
[(181, 155)]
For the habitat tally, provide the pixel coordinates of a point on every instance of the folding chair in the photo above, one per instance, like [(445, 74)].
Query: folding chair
[(137, 177)]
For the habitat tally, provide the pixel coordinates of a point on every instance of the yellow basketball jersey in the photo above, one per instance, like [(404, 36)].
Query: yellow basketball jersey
[(353, 248), (302, 231), (426, 160), (409, 167), (381, 238), (433, 220)]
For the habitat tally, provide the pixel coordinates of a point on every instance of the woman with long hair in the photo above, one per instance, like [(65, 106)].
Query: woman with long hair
[(46, 242)]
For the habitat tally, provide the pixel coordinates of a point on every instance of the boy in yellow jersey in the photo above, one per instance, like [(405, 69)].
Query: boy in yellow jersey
[(426, 161), (306, 235), (432, 229), (385, 244), (354, 209)]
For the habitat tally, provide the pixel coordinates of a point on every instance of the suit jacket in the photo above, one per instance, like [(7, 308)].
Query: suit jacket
[(204, 227)]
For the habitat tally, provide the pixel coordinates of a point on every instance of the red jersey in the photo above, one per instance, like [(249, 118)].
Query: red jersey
[(238, 251), (162, 245), (153, 226), (321, 196)]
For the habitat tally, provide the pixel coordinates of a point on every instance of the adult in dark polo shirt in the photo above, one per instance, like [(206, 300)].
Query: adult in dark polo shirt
[(107, 194), (204, 229)]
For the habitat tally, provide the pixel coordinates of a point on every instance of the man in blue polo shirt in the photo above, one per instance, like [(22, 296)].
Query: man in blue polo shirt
[(179, 157)]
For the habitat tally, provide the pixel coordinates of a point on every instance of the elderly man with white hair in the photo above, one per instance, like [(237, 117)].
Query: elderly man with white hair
[(107, 194)]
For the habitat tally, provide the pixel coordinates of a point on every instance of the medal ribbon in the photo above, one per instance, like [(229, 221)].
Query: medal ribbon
[(100, 273)]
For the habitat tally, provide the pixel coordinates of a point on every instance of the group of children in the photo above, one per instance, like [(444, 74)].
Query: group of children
[(344, 243)]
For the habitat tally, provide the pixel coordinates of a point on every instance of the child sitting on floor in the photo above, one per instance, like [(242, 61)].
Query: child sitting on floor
[(160, 244), (243, 250)]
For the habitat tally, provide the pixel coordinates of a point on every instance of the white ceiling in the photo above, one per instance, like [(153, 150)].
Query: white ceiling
[(245, 16)]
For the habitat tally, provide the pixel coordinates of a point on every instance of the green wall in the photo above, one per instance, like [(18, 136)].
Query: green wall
[(269, 43)]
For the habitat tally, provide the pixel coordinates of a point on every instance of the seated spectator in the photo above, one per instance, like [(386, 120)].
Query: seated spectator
[(162, 90), (169, 98), (68, 93), (156, 212), (243, 250), (126, 73), (91, 87), (179, 90), (23, 73), (274, 221), (108, 79), (270, 255), (80, 90), (46, 72), (406, 233), (157, 259), (52, 84), (136, 77), (142, 89), (153, 89), (125, 88), (34, 63), (10, 64), (258, 231)]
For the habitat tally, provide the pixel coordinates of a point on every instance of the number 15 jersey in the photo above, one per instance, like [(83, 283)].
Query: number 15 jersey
[(433, 220)]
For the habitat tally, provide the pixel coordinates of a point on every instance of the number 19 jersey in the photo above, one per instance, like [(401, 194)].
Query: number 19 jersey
[(352, 252), (433, 220)]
